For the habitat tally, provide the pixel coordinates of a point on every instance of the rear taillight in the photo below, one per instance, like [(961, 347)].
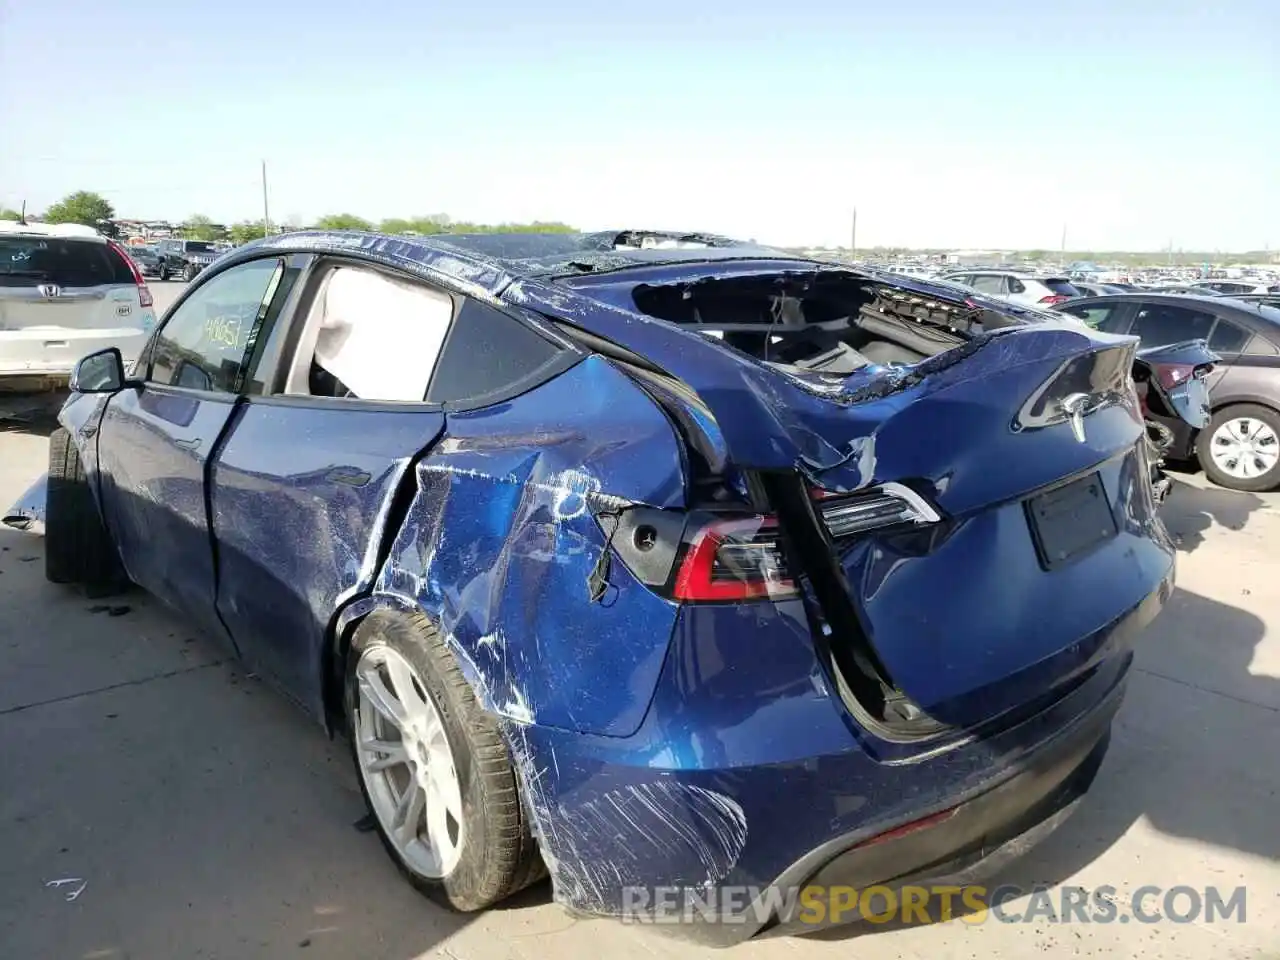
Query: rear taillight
[(1053, 299), (1171, 375), (144, 295), (731, 560), (882, 508)]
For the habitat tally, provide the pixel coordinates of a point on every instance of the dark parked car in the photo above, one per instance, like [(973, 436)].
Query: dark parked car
[(1090, 289), (147, 259), (642, 566), (184, 258), (1241, 447)]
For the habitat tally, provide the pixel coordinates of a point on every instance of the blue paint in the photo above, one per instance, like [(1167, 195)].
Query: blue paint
[(657, 742)]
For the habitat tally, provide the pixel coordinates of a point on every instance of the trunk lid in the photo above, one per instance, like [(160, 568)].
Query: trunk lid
[(1024, 438)]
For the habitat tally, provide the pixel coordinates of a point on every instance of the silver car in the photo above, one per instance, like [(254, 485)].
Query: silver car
[(65, 291)]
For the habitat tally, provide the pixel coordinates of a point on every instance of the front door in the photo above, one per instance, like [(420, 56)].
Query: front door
[(156, 440)]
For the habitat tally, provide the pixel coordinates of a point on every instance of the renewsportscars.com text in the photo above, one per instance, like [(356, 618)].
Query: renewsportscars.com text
[(817, 906)]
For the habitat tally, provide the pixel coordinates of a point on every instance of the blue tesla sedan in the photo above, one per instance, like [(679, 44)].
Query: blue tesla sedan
[(639, 559)]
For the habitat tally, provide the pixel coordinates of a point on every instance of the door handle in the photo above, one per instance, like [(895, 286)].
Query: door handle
[(192, 444)]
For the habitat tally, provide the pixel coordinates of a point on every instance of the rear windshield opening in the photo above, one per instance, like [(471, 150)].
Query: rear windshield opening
[(31, 261), (824, 323), (1062, 288)]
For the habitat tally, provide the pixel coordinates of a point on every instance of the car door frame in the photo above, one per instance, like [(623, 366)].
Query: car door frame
[(274, 356), (143, 384)]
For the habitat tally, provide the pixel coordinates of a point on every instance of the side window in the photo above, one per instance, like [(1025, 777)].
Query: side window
[(1100, 316), (370, 336), (1228, 338), (1016, 285), (988, 283), (204, 343), (1260, 346), (1157, 324), (487, 351)]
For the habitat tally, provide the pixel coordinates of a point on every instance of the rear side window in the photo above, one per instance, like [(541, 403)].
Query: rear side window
[(1016, 285), (1100, 316), (988, 284), (1228, 338), (31, 261), (1158, 324), (487, 352), (1260, 346)]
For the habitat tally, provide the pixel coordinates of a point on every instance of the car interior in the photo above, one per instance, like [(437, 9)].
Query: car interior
[(365, 337), (829, 323)]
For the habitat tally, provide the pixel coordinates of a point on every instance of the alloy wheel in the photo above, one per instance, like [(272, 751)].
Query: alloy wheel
[(407, 764), (1244, 448)]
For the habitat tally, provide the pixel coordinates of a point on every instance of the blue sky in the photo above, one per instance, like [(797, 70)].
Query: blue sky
[(970, 123)]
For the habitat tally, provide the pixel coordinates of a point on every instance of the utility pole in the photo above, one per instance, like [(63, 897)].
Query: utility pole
[(266, 216), (1062, 253), (853, 236)]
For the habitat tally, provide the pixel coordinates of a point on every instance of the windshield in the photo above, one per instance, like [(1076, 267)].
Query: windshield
[(30, 261)]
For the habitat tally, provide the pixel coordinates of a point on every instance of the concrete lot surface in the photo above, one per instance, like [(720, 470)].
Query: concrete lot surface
[(201, 815)]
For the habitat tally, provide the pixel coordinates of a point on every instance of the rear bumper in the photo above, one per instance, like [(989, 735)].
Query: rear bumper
[(47, 356), (957, 846), (747, 783)]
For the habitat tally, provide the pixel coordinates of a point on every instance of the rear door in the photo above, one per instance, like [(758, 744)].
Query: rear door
[(63, 297), (333, 416), (156, 440)]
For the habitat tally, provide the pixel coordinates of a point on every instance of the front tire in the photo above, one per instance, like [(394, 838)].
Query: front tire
[(189, 273), (1240, 449), (78, 548), (163, 271), (434, 768)]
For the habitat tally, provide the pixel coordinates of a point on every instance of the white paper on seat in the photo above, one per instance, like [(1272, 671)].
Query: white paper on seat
[(381, 336)]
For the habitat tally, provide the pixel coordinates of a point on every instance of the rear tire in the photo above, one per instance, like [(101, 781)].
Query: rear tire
[(491, 854), (1224, 445), (77, 546)]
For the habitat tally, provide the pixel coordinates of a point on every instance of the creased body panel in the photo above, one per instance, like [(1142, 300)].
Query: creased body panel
[(300, 498), (500, 543)]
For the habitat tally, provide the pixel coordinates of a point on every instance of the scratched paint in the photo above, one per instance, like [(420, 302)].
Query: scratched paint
[(659, 831)]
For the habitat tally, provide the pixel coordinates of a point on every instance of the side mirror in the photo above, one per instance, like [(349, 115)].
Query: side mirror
[(101, 372)]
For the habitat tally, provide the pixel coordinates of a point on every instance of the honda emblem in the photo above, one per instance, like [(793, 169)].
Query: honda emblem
[(49, 291)]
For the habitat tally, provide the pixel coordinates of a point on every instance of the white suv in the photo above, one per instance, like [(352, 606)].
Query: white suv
[(65, 291), (1025, 289)]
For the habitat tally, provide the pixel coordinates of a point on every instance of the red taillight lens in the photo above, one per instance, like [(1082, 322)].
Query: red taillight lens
[(144, 295), (734, 560), (1054, 299), (1171, 375)]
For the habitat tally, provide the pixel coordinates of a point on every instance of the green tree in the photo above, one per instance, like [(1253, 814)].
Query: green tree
[(82, 207), (343, 221), (246, 231), (8, 214), (200, 227)]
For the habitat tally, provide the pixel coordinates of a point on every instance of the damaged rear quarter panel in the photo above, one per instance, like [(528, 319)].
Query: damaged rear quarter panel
[(501, 538)]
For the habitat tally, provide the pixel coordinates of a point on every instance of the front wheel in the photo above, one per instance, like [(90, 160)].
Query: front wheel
[(434, 768), (189, 272), (163, 271), (77, 548), (1240, 449)]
